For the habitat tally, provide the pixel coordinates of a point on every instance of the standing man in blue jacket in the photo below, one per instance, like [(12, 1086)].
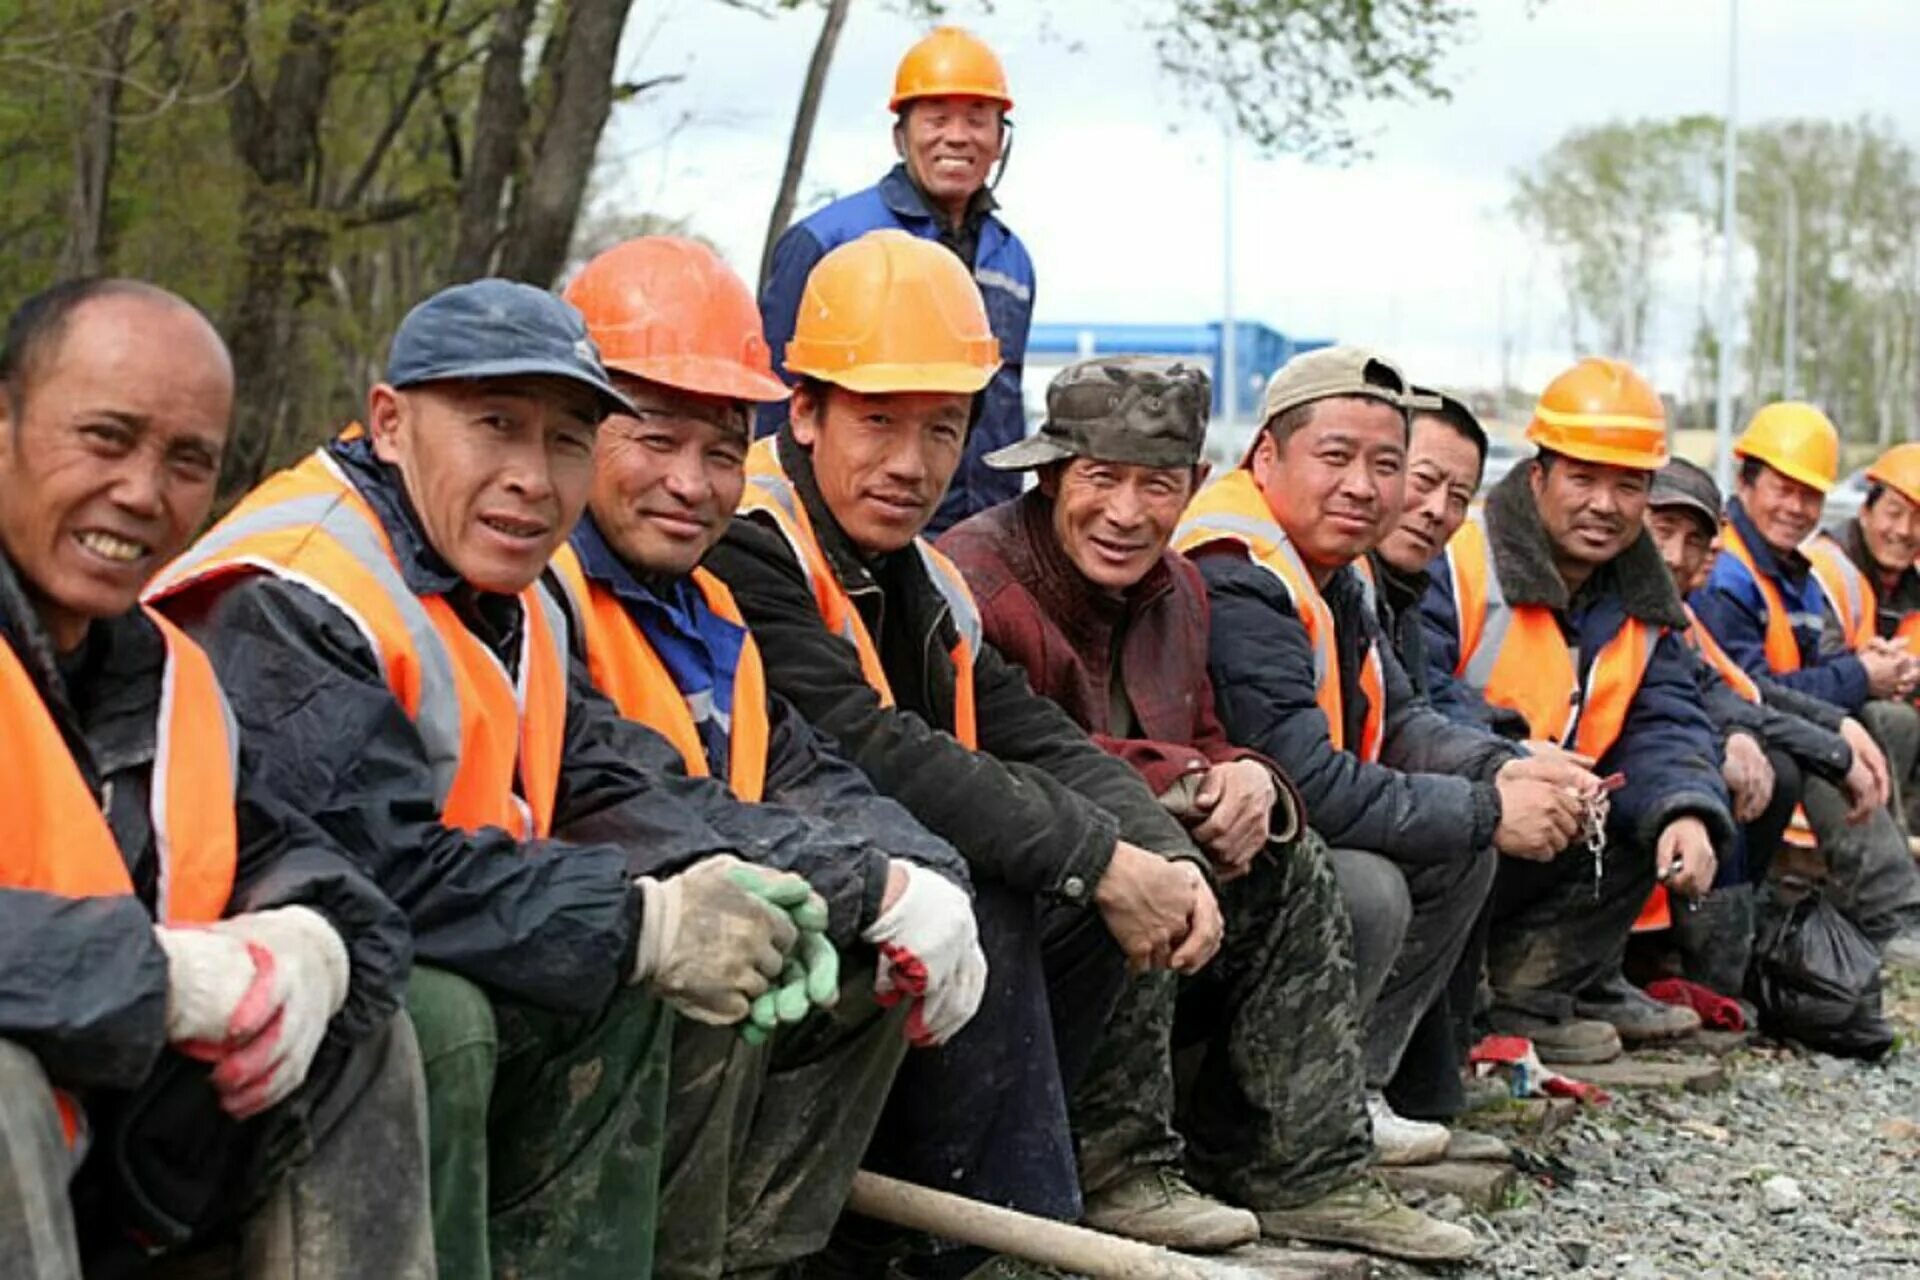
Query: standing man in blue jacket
[(950, 105)]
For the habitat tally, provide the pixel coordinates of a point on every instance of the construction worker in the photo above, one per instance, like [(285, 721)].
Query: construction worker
[(197, 991), (873, 635), (680, 338), (951, 126), (1883, 542), (1555, 604), (375, 612), (1076, 583)]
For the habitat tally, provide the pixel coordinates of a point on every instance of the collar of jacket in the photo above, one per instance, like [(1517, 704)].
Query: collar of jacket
[(602, 564), (1524, 558), (1402, 592), (1792, 567), (1077, 606), (903, 196)]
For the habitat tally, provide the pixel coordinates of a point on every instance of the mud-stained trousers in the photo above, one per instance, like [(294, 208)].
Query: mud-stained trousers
[(763, 1141), (1896, 727), (1276, 1116), (1871, 876), (352, 1207), (544, 1133), (1556, 932)]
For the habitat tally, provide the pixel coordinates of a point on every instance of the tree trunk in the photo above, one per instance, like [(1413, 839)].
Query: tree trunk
[(498, 121), (801, 140), (576, 92), (86, 249)]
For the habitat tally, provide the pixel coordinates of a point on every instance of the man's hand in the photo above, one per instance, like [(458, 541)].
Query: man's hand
[(712, 939), (1537, 818), (1544, 749), (1870, 761), (1748, 775), (1684, 859), (1891, 671), (1160, 911), (1237, 798), (929, 953), (1565, 769)]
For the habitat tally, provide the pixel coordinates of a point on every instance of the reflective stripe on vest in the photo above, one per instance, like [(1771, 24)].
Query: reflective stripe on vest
[(1847, 590), (57, 839), (1782, 650), (770, 491), (1232, 509), (480, 727), (1519, 658), (626, 668)]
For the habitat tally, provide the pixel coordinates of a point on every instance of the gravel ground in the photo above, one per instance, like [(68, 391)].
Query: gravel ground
[(1804, 1165)]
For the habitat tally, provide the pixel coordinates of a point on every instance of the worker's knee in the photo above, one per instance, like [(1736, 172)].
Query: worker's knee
[(30, 1125), (1379, 907), (453, 1021)]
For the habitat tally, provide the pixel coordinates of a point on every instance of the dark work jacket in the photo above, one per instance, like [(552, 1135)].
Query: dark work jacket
[(1667, 748), (549, 922), (1038, 806), (1891, 607), (1433, 776), (83, 983), (1040, 611), (804, 772), (1398, 600)]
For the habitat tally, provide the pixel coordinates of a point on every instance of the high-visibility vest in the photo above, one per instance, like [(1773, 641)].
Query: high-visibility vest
[(770, 491), (1846, 589), (481, 728), (57, 839), (1232, 509), (1799, 830), (1782, 650), (1517, 656), (626, 668)]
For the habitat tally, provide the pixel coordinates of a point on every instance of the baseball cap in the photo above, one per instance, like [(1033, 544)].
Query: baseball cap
[(1335, 371), (1683, 484)]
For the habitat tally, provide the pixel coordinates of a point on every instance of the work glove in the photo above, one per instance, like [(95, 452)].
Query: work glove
[(714, 938), (930, 954), (208, 976), (810, 979)]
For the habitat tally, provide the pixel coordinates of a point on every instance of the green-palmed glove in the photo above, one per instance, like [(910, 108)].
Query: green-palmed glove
[(810, 980), (712, 939)]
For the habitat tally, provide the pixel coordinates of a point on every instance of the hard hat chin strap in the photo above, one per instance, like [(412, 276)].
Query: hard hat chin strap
[(1006, 152)]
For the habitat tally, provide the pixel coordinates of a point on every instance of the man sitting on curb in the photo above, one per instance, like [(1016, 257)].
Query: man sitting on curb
[(1883, 542), (1555, 605), (681, 340), (197, 992), (375, 612), (1077, 584), (873, 635)]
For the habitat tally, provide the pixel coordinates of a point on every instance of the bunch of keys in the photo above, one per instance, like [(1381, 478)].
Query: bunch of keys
[(1594, 829)]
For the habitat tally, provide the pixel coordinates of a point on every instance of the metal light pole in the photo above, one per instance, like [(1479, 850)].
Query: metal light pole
[(1229, 331), (1729, 171), (1789, 347)]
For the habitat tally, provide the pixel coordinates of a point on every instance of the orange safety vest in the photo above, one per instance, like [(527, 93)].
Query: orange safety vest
[(481, 728), (1849, 594), (57, 839), (626, 669), (1232, 509), (770, 491), (1782, 650), (1517, 656)]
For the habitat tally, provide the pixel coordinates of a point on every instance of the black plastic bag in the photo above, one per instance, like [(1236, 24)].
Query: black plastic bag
[(1816, 979)]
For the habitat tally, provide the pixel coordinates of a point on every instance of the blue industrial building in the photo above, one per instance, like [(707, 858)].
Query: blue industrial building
[(1258, 350)]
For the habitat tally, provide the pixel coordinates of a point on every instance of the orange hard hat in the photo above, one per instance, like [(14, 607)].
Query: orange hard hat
[(1602, 411), (1795, 439), (892, 312), (669, 310), (1899, 469), (950, 63)]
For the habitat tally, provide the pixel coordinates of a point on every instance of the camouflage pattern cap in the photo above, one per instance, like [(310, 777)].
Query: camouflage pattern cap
[(1149, 411)]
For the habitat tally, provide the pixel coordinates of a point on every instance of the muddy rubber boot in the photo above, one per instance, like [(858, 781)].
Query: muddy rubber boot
[(1158, 1206), (1366, 1216), (1637, 1016)]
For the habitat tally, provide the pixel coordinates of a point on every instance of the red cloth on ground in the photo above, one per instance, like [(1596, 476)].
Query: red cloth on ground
[(1717, 1012)]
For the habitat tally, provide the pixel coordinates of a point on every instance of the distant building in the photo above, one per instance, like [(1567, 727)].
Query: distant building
[(1258, 351)]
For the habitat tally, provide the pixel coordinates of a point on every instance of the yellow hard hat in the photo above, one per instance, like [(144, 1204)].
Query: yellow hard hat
[(950, 63), (892, 312), (1899, 469), (1602, 411), (1795, 439)]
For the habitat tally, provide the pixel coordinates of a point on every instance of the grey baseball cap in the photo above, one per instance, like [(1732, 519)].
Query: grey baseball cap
[(498, 329), (1150, 411), (1335, 371), (1684, 484)]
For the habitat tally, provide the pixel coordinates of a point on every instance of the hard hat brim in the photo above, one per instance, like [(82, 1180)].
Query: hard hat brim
[(986, 93), (1792, 471), (895, 379), (705, 376)]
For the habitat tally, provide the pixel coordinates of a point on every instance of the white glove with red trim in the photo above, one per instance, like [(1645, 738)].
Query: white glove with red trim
[(208, 976), (930, 954)]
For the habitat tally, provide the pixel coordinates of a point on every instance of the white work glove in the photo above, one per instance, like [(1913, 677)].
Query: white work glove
[(714, 937), (930, 954), (209, 975)]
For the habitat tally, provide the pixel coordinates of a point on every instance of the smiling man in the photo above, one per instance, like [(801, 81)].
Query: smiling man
[(951, 127), (570, 885), (1883, 542)]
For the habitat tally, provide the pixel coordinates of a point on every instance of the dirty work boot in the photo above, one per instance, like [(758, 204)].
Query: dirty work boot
[(1365, 1215), (1902, 953), (1160, 1207), (1637, 1016), (1572, 1042), (1398, 1140)]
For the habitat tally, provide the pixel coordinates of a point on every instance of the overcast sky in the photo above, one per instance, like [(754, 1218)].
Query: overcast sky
[(1116, 186)]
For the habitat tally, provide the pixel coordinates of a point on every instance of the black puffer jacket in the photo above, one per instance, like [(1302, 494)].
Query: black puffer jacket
[(1432, 789), (83, 984), (550, 922), (1038, 806)]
